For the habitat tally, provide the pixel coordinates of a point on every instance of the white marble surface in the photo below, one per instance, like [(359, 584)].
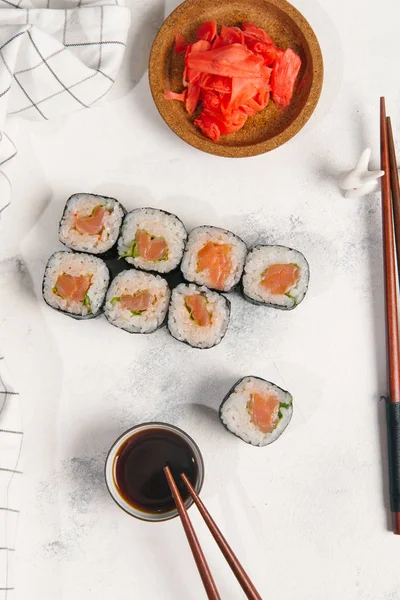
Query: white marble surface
[(307, 515)]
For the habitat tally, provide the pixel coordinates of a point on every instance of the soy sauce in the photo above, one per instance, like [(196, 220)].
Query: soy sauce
[(139, 474)]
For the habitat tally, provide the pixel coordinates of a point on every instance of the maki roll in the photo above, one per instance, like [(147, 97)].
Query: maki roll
[(75, 284), (256, 411), (214, 257), (152, 240), (198, 316), (275, 276), (91, 223), (137, 302)]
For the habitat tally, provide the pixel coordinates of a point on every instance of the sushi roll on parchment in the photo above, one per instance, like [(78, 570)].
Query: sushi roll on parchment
[(75, 284), (214, 257), (91, 223), (152, 240), (137, 301), (256, 411), (275, 276), (198, 316)]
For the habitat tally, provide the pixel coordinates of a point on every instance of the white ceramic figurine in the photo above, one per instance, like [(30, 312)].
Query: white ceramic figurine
[(359, 182)]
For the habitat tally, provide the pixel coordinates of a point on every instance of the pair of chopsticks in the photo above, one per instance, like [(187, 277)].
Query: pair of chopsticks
[(391, 247), (204, 570)]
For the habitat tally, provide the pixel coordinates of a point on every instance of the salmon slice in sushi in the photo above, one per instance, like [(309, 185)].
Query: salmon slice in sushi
[(257, 411), (137, 301), (275, 276), (198, 316), (214, 257), (75, 284), (152, 240), (91, 223)]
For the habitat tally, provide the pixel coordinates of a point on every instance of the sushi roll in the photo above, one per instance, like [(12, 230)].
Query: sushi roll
[(256, 411), (152, 240), (137, 302), (91, 223), (214, 257), (198, 316), (75, 284), (275, 276)]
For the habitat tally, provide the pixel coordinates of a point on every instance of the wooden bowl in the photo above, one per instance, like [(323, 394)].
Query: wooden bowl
[(273, 126)]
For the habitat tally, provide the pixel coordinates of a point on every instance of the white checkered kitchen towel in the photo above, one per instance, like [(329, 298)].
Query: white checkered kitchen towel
[(10, 478), (56, 56)]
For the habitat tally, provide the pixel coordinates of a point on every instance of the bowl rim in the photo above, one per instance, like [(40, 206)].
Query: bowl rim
[(110, 463), (254, 149)]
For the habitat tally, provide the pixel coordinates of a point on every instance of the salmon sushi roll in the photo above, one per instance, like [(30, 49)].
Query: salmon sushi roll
[(152, 240), (91, 223), (257, 411), (198, 316), (137, 301), (275, 276), (75, 284), (214, 257)]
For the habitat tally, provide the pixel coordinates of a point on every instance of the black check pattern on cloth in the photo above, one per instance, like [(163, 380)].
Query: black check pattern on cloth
[(55, 59), (11, 437)]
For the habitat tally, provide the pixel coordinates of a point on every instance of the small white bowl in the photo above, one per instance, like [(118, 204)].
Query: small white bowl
[(111, 465)]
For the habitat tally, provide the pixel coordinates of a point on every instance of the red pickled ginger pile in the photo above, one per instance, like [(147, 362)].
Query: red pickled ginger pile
[(232, 75)]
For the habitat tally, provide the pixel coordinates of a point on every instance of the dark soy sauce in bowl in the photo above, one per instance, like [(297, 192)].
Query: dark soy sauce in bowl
[(139, 469)]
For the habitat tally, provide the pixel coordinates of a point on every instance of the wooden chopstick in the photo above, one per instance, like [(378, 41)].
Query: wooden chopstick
[(388, 159), (392, 325), (226, 550), (394, 184), (194, 544)]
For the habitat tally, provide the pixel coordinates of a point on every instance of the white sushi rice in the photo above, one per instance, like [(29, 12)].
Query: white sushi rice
[(82, 205), (128, 283), (198, 238), (158, 224), (184, 329), (262, 257), (75, 264), (236, 417)]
